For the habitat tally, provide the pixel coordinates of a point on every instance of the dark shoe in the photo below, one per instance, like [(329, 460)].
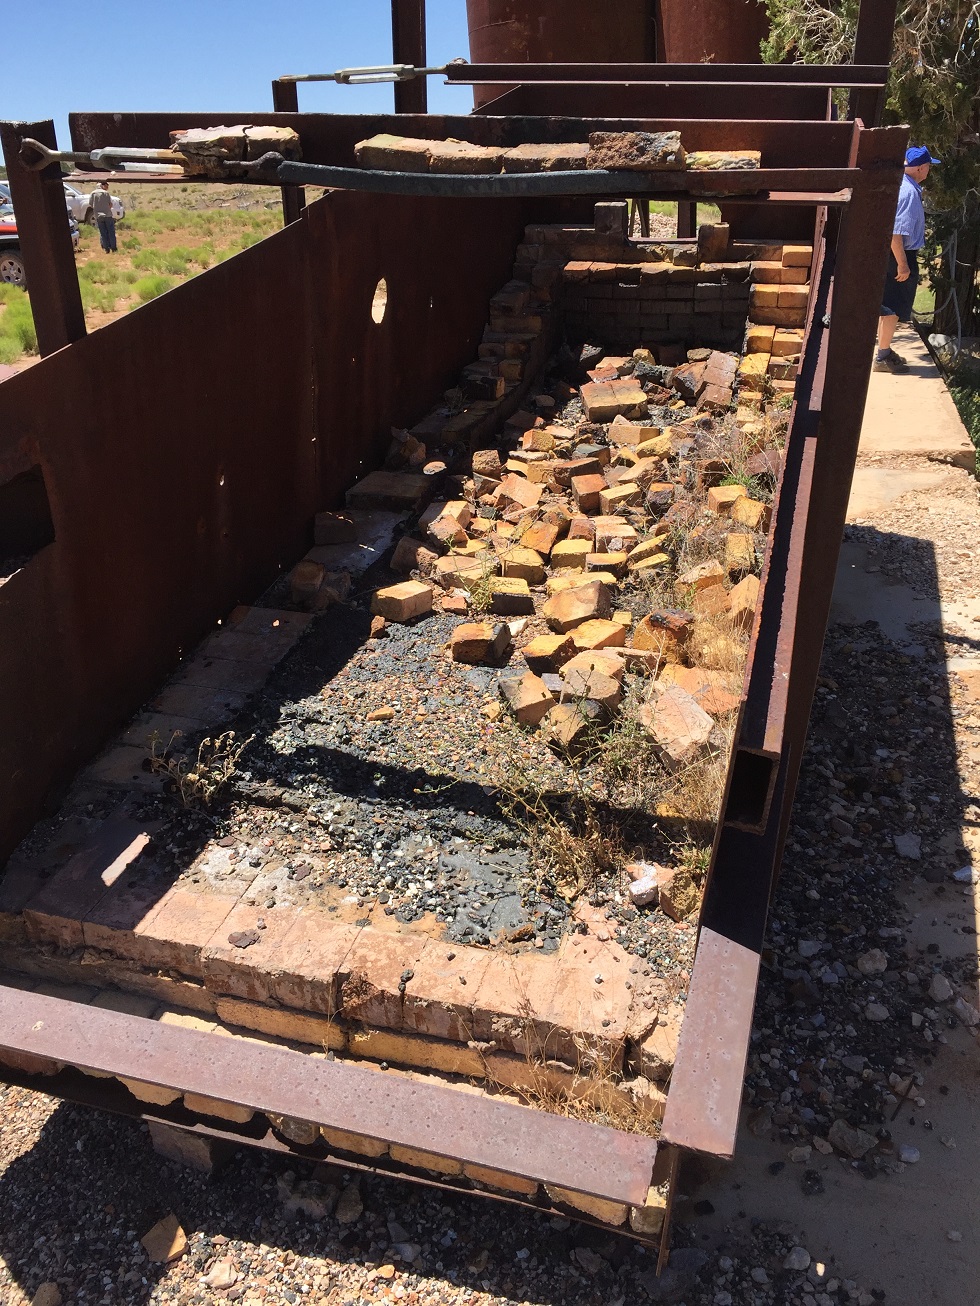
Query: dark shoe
[(892, 362)]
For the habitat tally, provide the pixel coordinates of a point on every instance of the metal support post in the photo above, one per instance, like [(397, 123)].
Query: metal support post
[(408, 47), (285, 99), (872, 44), (45, 239), (687, 220)]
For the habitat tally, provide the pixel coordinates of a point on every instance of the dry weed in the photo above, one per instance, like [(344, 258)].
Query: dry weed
[(198, 781)]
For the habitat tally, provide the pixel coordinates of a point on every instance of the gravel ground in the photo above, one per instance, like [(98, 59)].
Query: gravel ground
[(81, 1189)]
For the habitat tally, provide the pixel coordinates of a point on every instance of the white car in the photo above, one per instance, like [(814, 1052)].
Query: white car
[(80, 206)]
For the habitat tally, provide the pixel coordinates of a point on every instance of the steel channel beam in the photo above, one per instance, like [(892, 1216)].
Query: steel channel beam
[(285, 99), (330, 138), (483, 1131), (726, 104), (703, 1105), (408, 47), (45, 239), (842, 76), (872, 43), (109, 1095)]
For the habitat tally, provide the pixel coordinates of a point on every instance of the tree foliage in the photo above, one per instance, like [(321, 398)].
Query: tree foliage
[(934, 86)]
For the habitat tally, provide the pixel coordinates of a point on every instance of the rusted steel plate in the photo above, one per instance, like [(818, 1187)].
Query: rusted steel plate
[(706, 1087), (165, 521), (501, 1135), (741, 74)]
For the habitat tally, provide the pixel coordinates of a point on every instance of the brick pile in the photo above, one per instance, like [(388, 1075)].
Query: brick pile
[(598, 499)]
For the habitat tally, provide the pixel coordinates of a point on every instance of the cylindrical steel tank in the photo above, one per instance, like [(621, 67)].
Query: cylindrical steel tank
[(558, 31), (633, 31)]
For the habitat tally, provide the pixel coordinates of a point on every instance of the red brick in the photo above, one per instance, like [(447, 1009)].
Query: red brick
[(246, 972), (438, 999), (370, 974), (55, 913)]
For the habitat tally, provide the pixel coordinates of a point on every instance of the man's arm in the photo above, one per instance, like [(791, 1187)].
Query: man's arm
[(898, 249)]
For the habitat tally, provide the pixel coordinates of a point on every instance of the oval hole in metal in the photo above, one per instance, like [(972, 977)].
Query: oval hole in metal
[(380, 301)]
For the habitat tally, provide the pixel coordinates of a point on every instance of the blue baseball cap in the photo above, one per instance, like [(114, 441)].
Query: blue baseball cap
[(918, 154)]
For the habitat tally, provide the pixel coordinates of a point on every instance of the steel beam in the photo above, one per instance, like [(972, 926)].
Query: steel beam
[(873, 43), (787, 639), (661, 74), (477, 1130), (285, 99), (408, 47), (45, 239)]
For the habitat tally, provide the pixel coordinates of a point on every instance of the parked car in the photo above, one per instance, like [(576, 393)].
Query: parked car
[(12, 270), (80, 205)]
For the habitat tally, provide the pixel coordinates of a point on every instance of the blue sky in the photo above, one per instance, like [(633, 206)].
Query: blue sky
[(219, 54)]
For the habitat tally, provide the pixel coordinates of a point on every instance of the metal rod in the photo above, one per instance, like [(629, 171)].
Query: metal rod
[(395, 72), (586, 181)]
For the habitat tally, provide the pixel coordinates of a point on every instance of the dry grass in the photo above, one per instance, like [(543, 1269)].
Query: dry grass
[(198, 781)]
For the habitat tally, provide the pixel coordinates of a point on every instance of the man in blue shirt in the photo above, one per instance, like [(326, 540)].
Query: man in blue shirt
[(902, 281)]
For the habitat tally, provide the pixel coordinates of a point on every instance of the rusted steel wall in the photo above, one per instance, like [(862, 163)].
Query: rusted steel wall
[(185, 448), (441, 262)]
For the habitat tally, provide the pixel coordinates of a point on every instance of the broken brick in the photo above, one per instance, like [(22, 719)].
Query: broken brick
[(527, 697), (721, 497), (744, 598), (570, 608), (402, 602), (597, 634), (666, 633), (480, 642), (510, 597), (682, 732)]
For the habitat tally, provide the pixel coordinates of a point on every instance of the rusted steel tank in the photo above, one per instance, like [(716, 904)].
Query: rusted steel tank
[(578, 31)]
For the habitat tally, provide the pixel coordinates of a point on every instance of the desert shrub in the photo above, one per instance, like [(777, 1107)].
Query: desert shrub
[(148, 288)]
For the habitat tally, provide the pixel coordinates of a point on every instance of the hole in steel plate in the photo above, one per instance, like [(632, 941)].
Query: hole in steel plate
[(25, 521), (380, 301)]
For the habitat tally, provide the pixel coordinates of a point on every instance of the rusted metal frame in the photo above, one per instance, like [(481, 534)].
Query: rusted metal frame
[(519, 1140), (71, 1085), (408, 47), (702, 1109), (766, 676), (842, 76), (285, 99), (45, 239), (330, 138), (724, 103), (872, 43)]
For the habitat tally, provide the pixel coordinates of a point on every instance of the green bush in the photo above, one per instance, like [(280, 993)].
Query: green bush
[(17, 334), (148, 260), (148, 288), (175, 261), (964, 386)]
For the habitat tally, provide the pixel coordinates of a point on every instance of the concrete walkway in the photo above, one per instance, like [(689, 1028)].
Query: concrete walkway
[(912, 498)]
